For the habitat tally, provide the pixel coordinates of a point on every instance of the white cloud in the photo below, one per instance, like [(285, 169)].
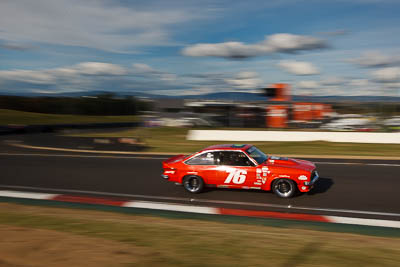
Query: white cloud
[(183, 92), (307, 85), (393, 86), (15, 46), (355, 87), (143, 68), (245, 80), (276, 43), (375, 59), (332, 81), (227, 50), (91, 76), (168, 77), (99, 68), (141, 77), (289, 43), (100, 24), (28, 76), (359, 83), (52, 76), (387, 75), (298, 67)]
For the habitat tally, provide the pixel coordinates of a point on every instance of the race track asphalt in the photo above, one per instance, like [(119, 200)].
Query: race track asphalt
[(366, 188)]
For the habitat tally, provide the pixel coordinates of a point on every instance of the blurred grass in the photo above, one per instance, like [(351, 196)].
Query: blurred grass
[(189, 242), (28, 118), (167, 139), (173, 140)]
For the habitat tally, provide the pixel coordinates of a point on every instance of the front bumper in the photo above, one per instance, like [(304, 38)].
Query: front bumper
[(314, 178), (166, 177)]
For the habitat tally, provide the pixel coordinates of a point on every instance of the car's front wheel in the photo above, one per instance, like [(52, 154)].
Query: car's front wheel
[(284, 188), (193, 184)]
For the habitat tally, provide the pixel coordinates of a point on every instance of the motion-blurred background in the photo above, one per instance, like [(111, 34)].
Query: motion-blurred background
[(328, 65)]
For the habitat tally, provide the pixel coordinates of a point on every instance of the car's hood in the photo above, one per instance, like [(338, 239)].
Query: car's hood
[(290, 162)]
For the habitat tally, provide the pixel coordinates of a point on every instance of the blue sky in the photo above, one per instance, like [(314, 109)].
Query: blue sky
[(172, 47)]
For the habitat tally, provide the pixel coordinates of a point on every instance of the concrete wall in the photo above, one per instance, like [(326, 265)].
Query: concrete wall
[(343, 137)]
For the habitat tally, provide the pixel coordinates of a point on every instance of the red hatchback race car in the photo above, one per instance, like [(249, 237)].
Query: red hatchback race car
[(242, 167)]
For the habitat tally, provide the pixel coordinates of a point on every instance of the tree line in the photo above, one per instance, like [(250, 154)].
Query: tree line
[(104, 104)]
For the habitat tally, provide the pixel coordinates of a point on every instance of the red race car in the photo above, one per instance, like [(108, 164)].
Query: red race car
[(240, 166)]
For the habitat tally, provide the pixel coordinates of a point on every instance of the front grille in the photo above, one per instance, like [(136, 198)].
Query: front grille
[(313, 174)]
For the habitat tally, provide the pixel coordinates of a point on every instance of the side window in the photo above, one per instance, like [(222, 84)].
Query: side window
[(203, 159), (232, 158)]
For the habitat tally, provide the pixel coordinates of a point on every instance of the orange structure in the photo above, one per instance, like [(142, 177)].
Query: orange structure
[(310, 111), (278, 92), (317, 111), (302, 111), (277, 116)]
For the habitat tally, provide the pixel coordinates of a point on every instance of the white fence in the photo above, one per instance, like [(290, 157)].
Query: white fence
[(257, 136)]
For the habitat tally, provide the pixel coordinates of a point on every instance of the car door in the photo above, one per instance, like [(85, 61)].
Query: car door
[(235, 170)]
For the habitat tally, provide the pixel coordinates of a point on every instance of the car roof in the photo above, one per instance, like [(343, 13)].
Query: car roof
[(239, 147)]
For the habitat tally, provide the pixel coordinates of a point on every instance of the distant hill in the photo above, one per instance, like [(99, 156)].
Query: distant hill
[(228, 96), (345, 99), (232, 96), (239, 96)]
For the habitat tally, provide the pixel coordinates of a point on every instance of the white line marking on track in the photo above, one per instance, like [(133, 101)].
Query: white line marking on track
[(31, 195), (173, 207), (163, 158), (79, 156), (337, 163), (293, 207), (385, 165), (369, 222), (86, 150), (92, 192), (349, 211)]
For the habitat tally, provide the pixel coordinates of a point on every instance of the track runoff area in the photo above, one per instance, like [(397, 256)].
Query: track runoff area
[(197, 209)]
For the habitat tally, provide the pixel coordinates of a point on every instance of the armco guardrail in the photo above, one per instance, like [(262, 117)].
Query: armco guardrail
[(288, 136)]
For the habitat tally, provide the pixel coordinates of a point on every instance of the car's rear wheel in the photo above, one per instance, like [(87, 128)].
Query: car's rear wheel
[(284, 188), (193, 184)]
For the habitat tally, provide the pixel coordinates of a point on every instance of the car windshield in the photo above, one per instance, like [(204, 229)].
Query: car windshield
[(257, 154)]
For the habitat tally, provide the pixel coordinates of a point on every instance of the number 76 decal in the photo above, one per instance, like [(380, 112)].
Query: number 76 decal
[(236, 176)]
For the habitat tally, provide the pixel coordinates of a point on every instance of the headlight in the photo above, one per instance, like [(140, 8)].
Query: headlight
[(303, 178)]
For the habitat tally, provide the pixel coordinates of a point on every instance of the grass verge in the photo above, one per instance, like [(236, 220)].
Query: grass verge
[(174, 140), (29, 118), (153, 241)]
